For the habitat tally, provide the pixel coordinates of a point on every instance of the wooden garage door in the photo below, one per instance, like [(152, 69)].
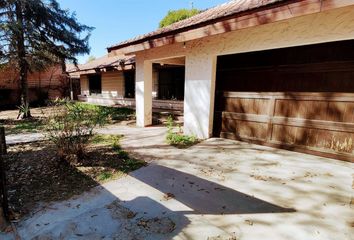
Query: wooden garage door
[(296, 98)]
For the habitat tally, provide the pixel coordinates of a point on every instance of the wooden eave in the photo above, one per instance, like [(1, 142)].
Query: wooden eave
[(263, 15)]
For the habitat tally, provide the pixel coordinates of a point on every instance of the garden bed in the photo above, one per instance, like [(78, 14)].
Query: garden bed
[(8, 119), (36, 177)]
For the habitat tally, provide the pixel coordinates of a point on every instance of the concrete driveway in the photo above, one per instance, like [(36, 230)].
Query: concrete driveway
[(218, 189)]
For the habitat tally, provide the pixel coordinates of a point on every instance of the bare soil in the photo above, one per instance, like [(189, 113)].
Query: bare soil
[(35, 176)]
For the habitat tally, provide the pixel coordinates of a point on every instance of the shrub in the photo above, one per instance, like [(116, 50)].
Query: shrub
[(70, 127), (178, 139), (109, 114)]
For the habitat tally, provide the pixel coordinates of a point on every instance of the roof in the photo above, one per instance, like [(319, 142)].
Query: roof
[(220, 12), (102, 62)]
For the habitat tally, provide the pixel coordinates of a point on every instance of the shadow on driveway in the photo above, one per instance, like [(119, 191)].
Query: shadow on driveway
[(203, 196)]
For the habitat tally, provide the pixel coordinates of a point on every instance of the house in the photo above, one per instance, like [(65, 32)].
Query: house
[(110, 80), (276, 72), (50, 83)]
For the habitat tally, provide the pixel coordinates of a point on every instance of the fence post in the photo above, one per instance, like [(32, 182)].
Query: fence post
[(4, 213), (3, 150)]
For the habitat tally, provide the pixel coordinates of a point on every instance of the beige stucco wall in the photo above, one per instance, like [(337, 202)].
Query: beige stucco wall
[(113, 84), (331, 25), (84, 85)]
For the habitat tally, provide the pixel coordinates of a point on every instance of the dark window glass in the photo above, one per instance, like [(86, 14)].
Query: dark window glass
[(129, 78), (95, 84), (171, 83)]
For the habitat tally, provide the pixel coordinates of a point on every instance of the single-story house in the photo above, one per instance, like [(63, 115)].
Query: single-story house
[(110, 80), (44, 85), (276, 72)]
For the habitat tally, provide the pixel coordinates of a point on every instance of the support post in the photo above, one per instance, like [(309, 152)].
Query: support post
[(143, 92), (199, 95), (4, 210)]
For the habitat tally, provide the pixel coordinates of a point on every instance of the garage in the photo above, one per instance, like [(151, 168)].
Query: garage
[(298, 98)]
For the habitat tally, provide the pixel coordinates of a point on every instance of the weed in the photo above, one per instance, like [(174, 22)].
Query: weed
[(104, 176), (178, 139)]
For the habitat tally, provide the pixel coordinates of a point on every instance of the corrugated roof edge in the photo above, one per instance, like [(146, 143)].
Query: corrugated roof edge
[(264, 5)]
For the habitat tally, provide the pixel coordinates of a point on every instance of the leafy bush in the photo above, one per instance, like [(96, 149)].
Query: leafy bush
[(109, 114), (178, 139), (177, 15), (70, 127)]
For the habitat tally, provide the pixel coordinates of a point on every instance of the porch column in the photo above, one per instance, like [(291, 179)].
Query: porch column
[(199, 95), (143, 92)]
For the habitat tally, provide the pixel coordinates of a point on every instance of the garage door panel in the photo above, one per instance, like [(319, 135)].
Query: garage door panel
[(306, 109), (302, 121), (252, 130), (246, 105), (320, 139), (228, 125), (300, 98)]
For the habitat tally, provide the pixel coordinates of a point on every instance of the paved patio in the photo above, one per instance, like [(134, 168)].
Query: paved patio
[(218, 189)]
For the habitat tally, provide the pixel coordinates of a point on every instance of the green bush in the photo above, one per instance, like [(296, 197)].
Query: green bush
[(178, 139), (70, 127), (109, 114)]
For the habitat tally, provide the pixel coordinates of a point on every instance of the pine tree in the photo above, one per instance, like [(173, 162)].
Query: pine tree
[(35, 33)]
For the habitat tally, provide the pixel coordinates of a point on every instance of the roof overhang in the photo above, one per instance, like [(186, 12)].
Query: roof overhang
[(278, 11)]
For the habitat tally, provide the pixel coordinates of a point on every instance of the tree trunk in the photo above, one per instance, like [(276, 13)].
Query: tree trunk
[(24, 111)]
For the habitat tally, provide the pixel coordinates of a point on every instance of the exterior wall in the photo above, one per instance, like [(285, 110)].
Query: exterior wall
[(44, 85), (332, 25), (84, 84), (113, 84)]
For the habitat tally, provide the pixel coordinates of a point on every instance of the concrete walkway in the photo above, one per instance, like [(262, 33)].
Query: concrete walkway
[(218, 189), (24, 138)]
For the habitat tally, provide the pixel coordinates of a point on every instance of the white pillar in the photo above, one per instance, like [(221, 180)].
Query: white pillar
[(199, 95), (143, 92)]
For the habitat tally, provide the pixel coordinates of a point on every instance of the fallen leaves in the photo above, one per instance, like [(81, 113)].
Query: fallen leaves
[(168, 196), (157, 225), (34, 174)]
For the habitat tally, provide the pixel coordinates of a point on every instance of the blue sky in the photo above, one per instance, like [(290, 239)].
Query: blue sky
[(118, 20)]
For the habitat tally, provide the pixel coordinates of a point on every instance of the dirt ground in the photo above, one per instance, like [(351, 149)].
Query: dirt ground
[(35, 174)]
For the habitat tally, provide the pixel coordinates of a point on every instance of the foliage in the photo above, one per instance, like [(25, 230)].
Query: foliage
[(90, 59), (177, 15), (37, 33), (23, 109), (109, 114), (25, 126), (70, 128), (178, 139)]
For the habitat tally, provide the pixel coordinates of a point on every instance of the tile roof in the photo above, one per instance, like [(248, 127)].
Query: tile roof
[(102, 62), (219, 12)]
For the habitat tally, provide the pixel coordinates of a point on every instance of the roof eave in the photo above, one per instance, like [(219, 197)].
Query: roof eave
[(203, 24)]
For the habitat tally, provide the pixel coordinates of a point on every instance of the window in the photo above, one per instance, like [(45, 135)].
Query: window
[(95, 84), (129, 78), (171, 83)]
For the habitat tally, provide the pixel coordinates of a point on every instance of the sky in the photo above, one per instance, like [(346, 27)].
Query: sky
[(118, 20)]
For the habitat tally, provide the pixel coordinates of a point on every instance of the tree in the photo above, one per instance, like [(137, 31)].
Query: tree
[(90, 59), (177, 15), (35, 33)]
